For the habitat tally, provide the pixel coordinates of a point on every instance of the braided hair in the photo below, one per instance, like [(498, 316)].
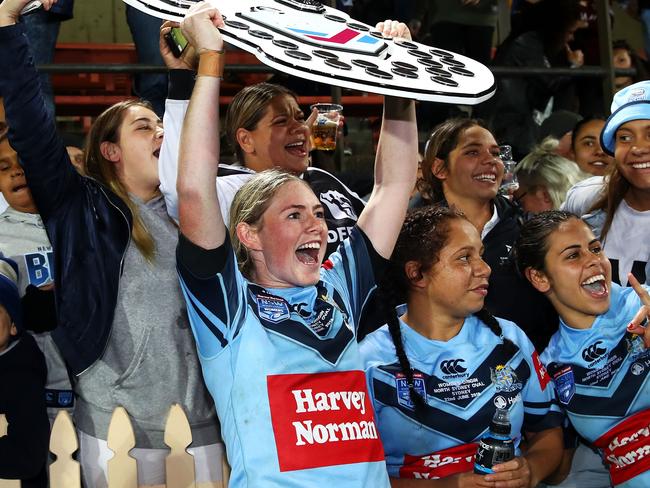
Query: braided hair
[(424, 234), (389, 302)]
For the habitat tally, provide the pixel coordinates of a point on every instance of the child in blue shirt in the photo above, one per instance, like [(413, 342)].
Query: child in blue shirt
[(23, 451)]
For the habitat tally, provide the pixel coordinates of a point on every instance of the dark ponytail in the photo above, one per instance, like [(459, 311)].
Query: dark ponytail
[(531, 246), (389, 302), (424, 234), (421, 238), (442, 141), (493, 324)]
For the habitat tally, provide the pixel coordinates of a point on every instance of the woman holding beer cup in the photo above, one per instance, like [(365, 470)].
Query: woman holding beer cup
[(267, 129)]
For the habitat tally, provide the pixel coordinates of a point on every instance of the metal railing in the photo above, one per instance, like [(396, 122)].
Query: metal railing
[(499, 71)]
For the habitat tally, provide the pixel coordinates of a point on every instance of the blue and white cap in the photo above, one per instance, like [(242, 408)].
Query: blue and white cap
[(631, 103), (9, 296)]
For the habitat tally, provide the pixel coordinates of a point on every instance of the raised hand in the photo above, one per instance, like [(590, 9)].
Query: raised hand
[(188, 60), (393, 28), (311, 120), (638, 323), (10, 10), (201, 27), (576, 58)]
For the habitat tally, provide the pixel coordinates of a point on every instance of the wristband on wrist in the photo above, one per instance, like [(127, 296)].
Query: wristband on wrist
[(211, 63)]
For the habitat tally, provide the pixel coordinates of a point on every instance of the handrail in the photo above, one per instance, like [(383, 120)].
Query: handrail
[(499, 71)]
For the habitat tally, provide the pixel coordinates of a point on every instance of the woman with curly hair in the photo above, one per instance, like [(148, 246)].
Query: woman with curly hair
[(438, 371)]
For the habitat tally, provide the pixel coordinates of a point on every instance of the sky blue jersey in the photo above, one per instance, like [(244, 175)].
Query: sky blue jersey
[(284, 368), (602, 382), (463, 380)]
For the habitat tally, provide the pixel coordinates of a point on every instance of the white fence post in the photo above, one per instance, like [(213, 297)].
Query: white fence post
[(65, 472), (122, 468), (179, 465)]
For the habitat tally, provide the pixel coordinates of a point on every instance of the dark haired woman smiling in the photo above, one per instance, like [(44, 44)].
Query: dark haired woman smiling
[(438, 373)]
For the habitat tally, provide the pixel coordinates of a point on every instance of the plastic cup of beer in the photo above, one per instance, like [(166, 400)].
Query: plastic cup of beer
[(326, 126)]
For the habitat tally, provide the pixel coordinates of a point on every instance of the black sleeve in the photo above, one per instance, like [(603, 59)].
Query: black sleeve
[(50, 175), (372, 315), (181, 84), (202, 263), (39, 310), (24, 450), (378, 262)]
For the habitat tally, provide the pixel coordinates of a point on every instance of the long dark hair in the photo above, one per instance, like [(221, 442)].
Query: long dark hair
[(423, 236), (442, 141), (580, 124), (532, 244), (247, 108), (617, 188)]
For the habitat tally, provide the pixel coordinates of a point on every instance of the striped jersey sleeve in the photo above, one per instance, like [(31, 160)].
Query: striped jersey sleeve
[(541, 410), (354, 269), (214, 289)]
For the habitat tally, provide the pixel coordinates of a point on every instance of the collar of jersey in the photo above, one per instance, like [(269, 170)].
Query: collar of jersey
[(575, 338), (420, 347)]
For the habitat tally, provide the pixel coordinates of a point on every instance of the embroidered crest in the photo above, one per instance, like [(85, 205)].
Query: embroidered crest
[(635, 346), (504, 378), (565, 384), (273, 309), (402, 386)]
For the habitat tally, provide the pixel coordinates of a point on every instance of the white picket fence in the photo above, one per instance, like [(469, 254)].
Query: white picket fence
[(65, 472)]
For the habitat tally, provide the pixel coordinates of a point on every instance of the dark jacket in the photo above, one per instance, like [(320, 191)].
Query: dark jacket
[(510, 111), (63, 9), (23, 451), (510, 295), (89, 227)]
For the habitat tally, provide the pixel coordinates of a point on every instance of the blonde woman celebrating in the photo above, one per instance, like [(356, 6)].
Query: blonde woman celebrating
[(276, 332)]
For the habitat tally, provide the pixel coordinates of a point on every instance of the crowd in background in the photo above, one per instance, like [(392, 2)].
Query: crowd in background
[(312, 334)]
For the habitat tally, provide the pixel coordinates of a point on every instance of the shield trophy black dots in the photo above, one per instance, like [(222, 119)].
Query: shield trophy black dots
[(334, 18), (430, 63), (285, 44), (324, 54), (362, 63), (439, 72), (236, 25), (359, 27), (307, 39), (403, 65), (452, 62)]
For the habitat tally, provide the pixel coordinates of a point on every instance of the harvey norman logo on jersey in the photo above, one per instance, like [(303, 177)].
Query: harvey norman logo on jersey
[(322, 419)]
